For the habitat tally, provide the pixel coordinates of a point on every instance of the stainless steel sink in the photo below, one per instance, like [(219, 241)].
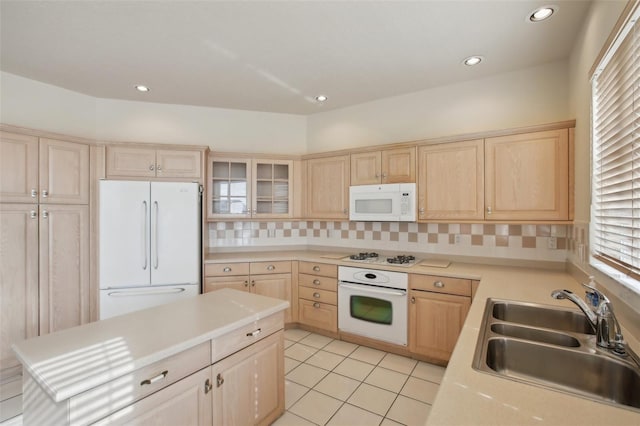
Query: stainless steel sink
[(553, 347), (542, 316)]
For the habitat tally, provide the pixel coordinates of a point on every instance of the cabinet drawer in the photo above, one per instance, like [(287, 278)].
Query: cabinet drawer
[(234, 341), (316, 295), (131, 387), (318, 269), (270, 267), (316, 314), (314, 281), (222, 269), (437, 284)]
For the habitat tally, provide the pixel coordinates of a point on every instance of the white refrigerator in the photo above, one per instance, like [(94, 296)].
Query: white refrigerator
[(149, 244)]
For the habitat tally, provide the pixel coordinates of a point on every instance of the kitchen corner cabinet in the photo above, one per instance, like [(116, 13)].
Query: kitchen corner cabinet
[(249, 385), (40, 170), (328, 187), (395, 165), (451, 181), (317, 295), (249, 188), (438, 307), (271, 279), (148, 162), (527, 176)]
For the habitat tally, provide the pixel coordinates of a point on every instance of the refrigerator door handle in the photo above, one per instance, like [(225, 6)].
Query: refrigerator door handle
[(145, 236), (128, 293), (155, 231)]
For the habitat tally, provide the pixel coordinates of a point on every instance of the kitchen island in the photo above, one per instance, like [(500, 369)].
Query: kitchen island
[(173, 362)]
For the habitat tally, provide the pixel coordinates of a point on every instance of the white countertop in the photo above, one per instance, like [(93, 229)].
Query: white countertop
[(72, 361)]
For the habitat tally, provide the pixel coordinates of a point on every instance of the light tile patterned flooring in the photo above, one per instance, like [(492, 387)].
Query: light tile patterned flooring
[(331, 382)]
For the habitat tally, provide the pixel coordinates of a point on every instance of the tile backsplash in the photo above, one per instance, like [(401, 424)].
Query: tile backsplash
[(533, 242)]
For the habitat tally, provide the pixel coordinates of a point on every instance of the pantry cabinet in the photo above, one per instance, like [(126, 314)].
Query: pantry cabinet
[(328, 187), (527, 176), (438, 307), (40, 170), (249, 385), (271, 279), (249, 188), (394, 165), (152, 162), (451, 181)]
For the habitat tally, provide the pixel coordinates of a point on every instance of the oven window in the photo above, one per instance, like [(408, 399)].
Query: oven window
[(374, 206), (370, 309)]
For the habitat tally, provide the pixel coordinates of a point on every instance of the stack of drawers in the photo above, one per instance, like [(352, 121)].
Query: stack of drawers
[(317, 296)]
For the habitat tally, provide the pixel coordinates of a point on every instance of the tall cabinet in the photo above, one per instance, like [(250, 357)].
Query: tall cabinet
[(44, 239)]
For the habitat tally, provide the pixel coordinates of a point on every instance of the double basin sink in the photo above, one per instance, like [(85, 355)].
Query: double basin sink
[(554, 348)]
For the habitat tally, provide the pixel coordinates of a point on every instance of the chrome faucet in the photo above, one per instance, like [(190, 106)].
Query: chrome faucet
[(600, 314)]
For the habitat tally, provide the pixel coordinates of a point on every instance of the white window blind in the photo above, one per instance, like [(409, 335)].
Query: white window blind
[(616, 154)]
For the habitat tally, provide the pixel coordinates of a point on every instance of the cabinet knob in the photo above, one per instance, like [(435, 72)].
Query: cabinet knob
[(316, 282), (226, 269), (413, 299), (34, 193), (270, 268), (438, 284), (207, 386), (45, 193), (219, 380), (45, 214), (316, 268), (384, 175), (316, 305), (253, 283), (152, 167), (345, 211), (377, 175), (246, 283), (421, 210), (33, 214), (159, 168), (489, 210), (316, 295)]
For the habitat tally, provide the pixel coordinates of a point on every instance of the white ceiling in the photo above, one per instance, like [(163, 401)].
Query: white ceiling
[(275, 55)]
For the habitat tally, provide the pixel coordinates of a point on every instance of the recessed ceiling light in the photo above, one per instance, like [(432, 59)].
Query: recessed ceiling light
[(141, 88), (472, 60), (542, 13), (321, 98)]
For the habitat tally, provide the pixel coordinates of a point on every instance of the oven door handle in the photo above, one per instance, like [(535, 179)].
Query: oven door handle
[(374, 290)]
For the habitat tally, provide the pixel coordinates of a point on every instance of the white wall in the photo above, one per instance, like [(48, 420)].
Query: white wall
[(36, 105), (598, 24), (32, 104), (521, 98), (220, 129)]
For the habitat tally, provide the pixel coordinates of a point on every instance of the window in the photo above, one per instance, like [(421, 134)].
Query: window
[(615, 215)]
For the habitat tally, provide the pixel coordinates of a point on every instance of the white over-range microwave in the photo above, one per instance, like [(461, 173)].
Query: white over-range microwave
[(391, 202)]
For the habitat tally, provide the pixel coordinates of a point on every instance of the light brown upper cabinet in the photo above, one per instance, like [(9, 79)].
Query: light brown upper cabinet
[(328, 187), (249, 188), (527, 176), (396, 165), (136, 161), (451, 181), (42, 170)]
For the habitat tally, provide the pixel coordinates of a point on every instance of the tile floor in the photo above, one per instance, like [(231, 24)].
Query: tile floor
[(331, 382)]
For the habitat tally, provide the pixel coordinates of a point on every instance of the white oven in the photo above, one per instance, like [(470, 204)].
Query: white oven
[(373, 304)]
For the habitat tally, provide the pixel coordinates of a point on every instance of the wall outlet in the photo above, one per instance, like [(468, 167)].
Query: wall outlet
[(271, 233), (456, 239), (552, 243)]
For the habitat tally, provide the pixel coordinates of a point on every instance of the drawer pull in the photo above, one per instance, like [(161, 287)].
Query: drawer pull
[(316, 305), (155, 379), (34, 193), (316, 268), (253, 283), (270, 268), (246, 283), (45, 193), (254, 333), (207, 386), (316, 282), (316, 295), (438, 284), (226, 269), (219, 380), (413, 299)]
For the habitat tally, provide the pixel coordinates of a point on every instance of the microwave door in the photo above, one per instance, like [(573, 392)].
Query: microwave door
[(375, 206)]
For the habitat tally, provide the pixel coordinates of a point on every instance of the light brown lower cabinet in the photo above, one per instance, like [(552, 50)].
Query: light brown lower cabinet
[(187, 403), (248, 386), (438, 307), (317, 296)]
